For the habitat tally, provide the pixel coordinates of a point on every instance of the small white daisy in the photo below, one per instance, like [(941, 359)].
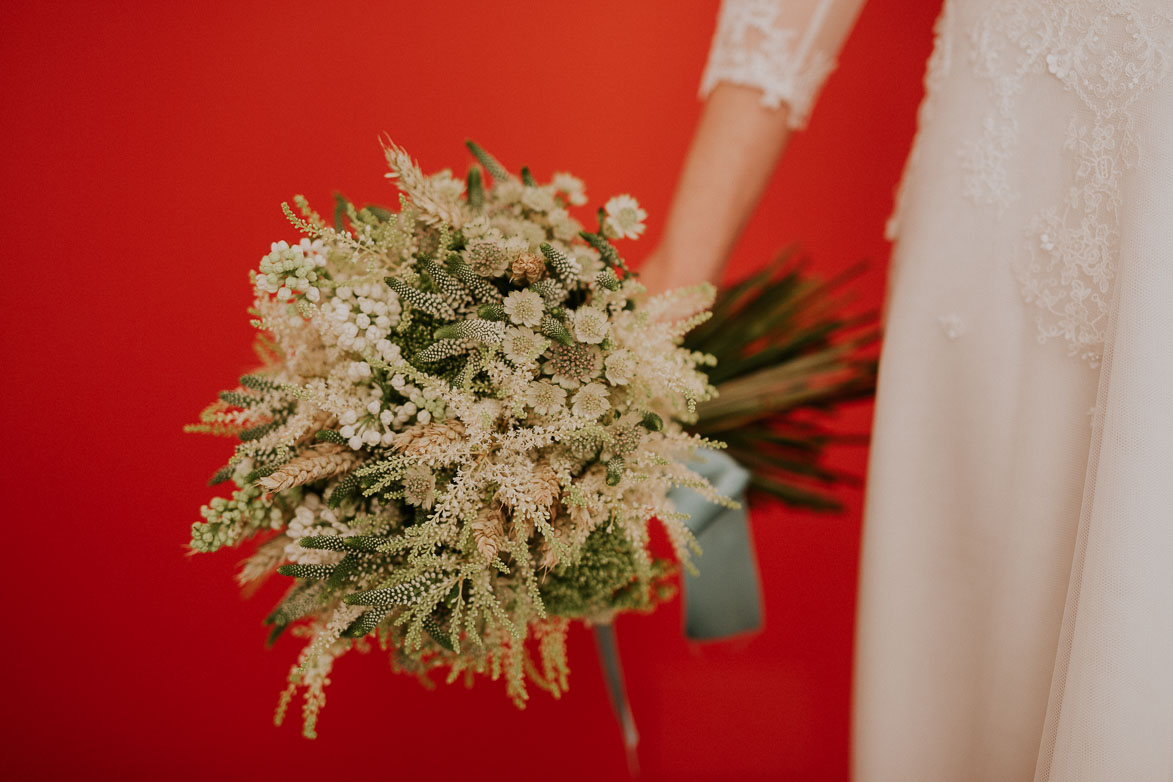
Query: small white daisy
[(590, 401), (572, 186), (545, 398), (619, 367), (524, 307), (625, 218), (539, 199), (523, 345), (590, 325), (419, 487)]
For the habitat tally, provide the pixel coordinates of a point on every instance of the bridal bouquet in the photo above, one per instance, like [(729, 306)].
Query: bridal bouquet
[(465, 418)]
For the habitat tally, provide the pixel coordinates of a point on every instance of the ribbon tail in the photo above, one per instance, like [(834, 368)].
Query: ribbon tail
[(726, 598), (617, 690)]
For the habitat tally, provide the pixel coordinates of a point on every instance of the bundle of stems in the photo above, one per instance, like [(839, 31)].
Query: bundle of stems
[(787, 356)]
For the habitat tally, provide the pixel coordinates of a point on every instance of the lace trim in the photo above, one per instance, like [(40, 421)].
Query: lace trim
[(754, 48), (1072, 250)]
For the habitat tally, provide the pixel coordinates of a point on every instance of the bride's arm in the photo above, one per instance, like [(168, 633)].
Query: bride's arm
[(767, 62)]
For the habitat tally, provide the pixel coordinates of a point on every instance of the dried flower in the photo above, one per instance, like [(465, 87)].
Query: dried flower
[(527, 267), (419, 487)]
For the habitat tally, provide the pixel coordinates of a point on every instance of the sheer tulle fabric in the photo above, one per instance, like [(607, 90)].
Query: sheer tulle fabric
[(1016, 604)]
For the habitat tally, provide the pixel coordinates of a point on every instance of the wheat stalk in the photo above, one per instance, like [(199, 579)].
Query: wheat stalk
[(321, 463)]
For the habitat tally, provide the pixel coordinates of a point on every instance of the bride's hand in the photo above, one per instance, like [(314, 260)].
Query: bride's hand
[(654, 273)]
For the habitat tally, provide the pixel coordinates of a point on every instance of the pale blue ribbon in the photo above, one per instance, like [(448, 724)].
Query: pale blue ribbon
[(724, 600)]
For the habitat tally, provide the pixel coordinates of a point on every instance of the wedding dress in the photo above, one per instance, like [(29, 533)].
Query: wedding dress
[(1016, 603)]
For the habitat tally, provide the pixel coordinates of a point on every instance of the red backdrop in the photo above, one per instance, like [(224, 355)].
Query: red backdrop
[(146, 148)]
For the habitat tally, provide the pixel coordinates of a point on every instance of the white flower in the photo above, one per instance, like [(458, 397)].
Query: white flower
[(563, 225), (619, 367), (446, 187), (419, 487), (289, 271), (524, 307), (590, 325), (508, 191), (590, 401), (572, 186), (545, 398), (625, 219), (523, 345), (539, 199)]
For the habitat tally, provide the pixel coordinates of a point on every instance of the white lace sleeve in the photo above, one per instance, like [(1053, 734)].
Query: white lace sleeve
[(785, 48)]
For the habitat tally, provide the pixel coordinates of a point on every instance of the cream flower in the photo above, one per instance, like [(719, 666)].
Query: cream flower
[(486, 255), (524, 307), (545, 398), (625, 218), (563, 225), (539, 199), (572, 365), (523, 345), (590, 325), (572, 186), (619, 367), (419, 487), (590, 401)]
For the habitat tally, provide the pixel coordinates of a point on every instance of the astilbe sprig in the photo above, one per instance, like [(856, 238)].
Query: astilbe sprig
[(466, 416)]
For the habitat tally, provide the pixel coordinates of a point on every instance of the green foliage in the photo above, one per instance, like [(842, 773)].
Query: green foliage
[(430, 303), (347, 487), (259, 383), (492, 312), (406, 593), (615, 468), (564, 268), (784, 354), (607, 252), (480, 288), (240, 399), (607, 279), (652, 422), (329, 436), (450, 288), (475, 186), (603, 578), (229, 521), (495, 169), (308, 572), (222, 475), (555, 330), (259, 431), (365, 624)]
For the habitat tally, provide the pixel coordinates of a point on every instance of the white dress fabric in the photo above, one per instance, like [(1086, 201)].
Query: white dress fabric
[(1016, 587)]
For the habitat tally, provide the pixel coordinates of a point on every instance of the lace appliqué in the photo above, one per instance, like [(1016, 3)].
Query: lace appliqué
[(952, 325), (753, 47), (1109, 53)]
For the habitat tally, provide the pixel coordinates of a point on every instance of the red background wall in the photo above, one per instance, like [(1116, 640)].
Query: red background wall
[(145, 150)]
